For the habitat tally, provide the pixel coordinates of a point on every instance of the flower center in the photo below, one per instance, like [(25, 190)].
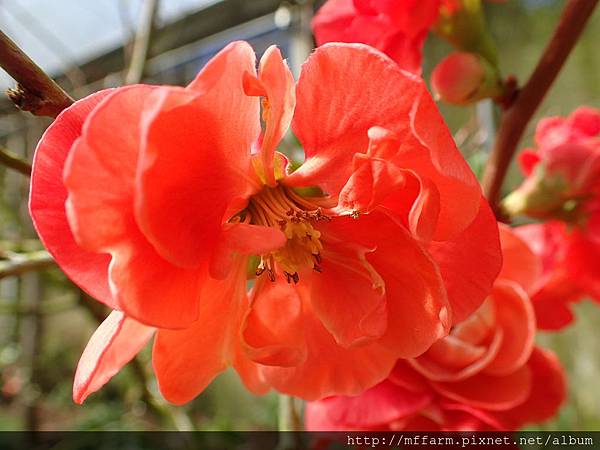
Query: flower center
[(294, 215)]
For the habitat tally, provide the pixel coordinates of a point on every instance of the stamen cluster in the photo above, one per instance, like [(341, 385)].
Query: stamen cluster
[(294, 215)]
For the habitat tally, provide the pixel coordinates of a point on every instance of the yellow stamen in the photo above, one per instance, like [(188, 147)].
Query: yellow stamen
[(294, 215)]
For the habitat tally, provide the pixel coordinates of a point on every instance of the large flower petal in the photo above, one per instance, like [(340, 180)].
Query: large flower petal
[(344, 90), (189, 171), (470, 263), (116, 341), (47, 201), (276, 84), (99, 176), (186, 361), (195, 160), (329, 369), (417, 307)]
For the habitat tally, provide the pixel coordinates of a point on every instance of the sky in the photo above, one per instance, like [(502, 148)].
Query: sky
[(60, 33)]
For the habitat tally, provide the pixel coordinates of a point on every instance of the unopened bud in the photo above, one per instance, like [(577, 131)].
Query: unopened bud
[(463, 78)]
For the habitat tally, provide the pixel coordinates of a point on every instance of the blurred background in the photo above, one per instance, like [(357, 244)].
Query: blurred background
[(45, 321)]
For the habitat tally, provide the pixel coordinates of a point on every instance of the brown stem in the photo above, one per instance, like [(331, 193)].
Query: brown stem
[(26, 262), (12, 161), (36, 92), (517, 116)]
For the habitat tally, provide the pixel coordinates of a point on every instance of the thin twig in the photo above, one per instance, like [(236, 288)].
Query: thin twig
[(47, 38), (9, 159), (517, 116), (21, 263), (36, 92), (143, 37)]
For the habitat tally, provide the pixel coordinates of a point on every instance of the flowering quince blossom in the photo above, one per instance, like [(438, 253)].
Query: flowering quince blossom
[(562, 188), (396, 27), (485, 375), (161, 201)]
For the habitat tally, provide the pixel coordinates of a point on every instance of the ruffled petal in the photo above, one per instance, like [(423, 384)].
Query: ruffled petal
[(100, 200), (373, 410), (372, 181), (508, 390), (363, 89), (417, 307), (273, 329), (343, 90), (470, 263), (195, 163), (417, 206), (348, 297), (515, 316), (548, 391), (99, 176), (47, 199), (451, 359), (186, 361), (116, 342), (329, 369)]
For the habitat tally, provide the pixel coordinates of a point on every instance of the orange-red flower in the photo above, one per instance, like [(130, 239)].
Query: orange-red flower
[(562, 188), (160, 201), (486, 375), (396, 27)]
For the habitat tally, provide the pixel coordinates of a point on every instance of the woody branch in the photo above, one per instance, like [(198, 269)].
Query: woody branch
[(516, 117), (36, 92)]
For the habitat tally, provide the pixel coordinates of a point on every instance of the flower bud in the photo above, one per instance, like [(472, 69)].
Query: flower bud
[(463, 78), (559, 185)]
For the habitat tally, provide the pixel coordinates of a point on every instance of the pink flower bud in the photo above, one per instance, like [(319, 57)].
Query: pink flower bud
[(463, 78)]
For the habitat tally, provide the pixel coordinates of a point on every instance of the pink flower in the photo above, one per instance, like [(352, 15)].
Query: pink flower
[(562, 188)]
